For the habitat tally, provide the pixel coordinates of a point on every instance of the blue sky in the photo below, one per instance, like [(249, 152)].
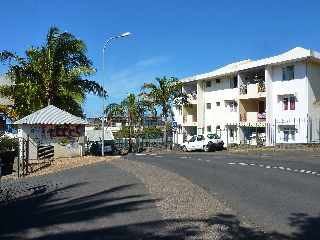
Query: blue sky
[(174, 38)]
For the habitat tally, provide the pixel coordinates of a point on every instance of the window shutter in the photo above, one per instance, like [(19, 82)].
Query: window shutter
[(285, 104), (292, 103)]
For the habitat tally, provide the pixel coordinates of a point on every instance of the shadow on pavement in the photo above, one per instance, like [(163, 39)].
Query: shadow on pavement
[(41, 217)]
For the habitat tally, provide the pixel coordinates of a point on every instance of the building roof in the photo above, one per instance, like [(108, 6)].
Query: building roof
[(294, 54), (51, 115)]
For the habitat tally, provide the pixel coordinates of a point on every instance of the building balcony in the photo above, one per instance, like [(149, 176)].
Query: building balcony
[(253, 90), (192, 97), (253, 118), (190, 120)]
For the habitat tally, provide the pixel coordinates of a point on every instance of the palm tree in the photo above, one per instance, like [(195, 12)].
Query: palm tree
[(165, 93), (131, 108), (54, 73)]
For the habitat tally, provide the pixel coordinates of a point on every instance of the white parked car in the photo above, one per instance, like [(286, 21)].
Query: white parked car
[(210, 142)]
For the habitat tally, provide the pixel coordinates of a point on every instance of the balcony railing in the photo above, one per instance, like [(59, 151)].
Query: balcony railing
[(243, 117), (190, 119), (262, 117), (252, 89), (261, 87), (192, 95), (253, 117)]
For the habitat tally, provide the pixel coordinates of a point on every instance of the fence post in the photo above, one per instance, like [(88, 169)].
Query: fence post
[(275, 132), (18, 163), (227, 136), (319, 131), (27, 154)]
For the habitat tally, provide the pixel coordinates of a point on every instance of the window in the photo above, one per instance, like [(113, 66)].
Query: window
[(285, 104), (192, 139), (231, 105), (234, 82), (288, 73), (292, 103), (208, 105), (209, 128), (208, 84), (231, 133), (218, 104), (200, 138), (289, 133), (287, 100), (213, 136), (218, 80)]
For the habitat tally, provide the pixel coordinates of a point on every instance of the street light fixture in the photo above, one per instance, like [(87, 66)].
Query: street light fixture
[(106, 44)]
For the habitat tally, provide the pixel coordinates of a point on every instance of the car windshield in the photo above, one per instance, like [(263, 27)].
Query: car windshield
[(213, 136), (200, 138), (192, 139)]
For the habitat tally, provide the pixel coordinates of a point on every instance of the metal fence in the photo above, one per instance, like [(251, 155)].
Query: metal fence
[(141, 144), (280, 131)]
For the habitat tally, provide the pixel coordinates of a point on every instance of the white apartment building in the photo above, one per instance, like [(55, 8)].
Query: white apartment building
[(271, 100)]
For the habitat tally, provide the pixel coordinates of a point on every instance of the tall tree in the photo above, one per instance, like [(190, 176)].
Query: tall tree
[(165, 93), (54, 73), (131, 108)]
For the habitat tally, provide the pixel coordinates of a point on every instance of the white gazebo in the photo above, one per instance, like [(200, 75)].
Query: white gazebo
[(52, 126)]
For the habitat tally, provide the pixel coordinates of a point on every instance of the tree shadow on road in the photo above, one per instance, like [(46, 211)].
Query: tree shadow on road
[(58, 216), (306, 228)]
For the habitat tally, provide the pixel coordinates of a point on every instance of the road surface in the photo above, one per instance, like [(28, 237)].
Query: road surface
[(279, 192)]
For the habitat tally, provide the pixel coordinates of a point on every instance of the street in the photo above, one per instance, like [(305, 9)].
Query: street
[(278, 191)]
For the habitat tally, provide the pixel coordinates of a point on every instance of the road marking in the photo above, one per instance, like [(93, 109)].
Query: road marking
[(243, 164), (275, 167), (207, 160)]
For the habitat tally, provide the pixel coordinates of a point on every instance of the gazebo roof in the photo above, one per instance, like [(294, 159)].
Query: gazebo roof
[(51, 115)]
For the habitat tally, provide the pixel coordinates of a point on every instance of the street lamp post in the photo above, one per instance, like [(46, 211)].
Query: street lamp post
[(106, 44)]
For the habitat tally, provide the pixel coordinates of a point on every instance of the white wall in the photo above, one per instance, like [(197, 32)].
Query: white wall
[(298, 88), (220, 92), (313, 72), (200, 106), (40, 136), (305, 87)]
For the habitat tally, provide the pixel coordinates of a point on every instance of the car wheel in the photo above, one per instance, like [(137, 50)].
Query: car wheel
[(206, 148), (184, 148)]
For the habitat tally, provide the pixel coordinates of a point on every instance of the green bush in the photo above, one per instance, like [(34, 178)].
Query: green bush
[(8, 144)]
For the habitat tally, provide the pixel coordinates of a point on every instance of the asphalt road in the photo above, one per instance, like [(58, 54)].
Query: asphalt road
[(278, 192), (92, 202)]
